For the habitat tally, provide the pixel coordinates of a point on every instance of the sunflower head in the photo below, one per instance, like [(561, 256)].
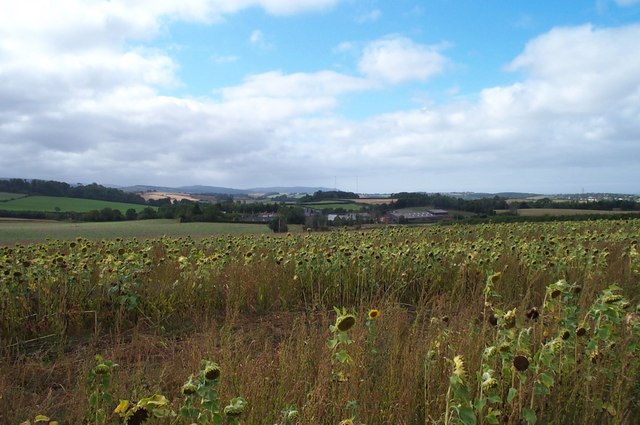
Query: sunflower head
[(345, 322), (458, 367), (235, 407), (374, 314), (211, 371), (509, 319), (101, 369), (521, 363), (139, 415), (122, 407), (189, 388), (495, 278)]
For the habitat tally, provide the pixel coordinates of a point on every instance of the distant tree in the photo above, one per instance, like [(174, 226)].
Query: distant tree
[(147, 214), (316, 222), (278, 225), (131, 214)]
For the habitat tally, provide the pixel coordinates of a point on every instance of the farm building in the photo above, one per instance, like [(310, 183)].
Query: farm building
[(362, 217), (408, 216)]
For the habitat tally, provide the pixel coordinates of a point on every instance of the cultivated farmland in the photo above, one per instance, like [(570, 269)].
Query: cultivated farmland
[(510, 323), (29, 231), (62, 204)]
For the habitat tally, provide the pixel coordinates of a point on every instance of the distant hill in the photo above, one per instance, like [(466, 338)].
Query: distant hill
[(480, 195), (285, 189), (199, 189)]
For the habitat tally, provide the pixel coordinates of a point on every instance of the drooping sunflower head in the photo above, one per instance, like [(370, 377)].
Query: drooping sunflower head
[(374, 314), (489, 383), (122, 407), (345, 322), (189, 388), (236, 407), (521, 363), (509, 319), (495, 278), (101, 369), (139, 415), (458, 367), (212, 371)]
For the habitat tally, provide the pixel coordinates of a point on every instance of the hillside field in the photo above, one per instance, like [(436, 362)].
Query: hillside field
[(6, 196), (348, 206), (61, 204)]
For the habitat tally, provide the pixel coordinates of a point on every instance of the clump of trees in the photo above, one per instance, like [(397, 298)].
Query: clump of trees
[(329, 195), (477, 206)]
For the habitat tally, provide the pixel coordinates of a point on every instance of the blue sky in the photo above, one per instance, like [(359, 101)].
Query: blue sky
[(442, 95)]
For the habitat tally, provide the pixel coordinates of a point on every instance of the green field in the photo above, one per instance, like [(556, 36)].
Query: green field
[(348, 206), (6, 196), (60, 204), (27, 231)]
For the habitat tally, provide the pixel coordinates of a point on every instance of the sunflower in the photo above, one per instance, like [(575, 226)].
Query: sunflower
[(189, 388), (139, 415), (374, 314), (521, 363), (458, 367), (212, 371), (345, 322)]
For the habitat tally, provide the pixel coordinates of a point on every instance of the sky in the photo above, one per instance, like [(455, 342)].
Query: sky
[(373, 96)]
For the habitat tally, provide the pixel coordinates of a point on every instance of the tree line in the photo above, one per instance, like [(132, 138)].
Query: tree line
[(55, 188)]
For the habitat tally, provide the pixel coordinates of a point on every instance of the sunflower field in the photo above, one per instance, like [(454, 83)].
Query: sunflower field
[(462, 324)]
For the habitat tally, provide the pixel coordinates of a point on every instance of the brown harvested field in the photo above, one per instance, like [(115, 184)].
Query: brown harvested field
[(174, 196), (375, 201)]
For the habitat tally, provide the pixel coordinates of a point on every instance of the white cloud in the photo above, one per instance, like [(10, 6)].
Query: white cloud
[(396, 59), (278, 96), (78, 103), (257, 38), (371, 16), (225, 58)]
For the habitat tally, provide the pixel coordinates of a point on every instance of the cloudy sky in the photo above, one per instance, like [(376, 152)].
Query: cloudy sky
[(368, 95)]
